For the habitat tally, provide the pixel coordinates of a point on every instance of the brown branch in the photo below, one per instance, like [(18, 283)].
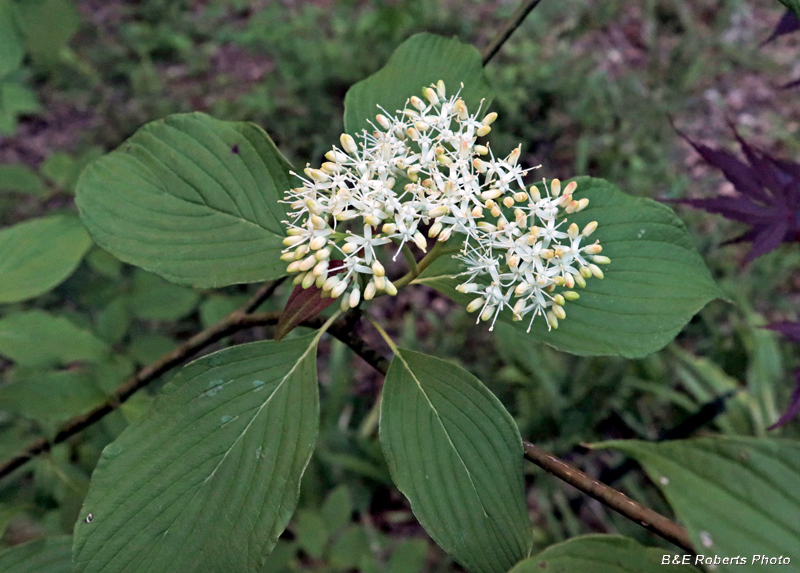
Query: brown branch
[(610, 497), (234, 322), (513, 23)]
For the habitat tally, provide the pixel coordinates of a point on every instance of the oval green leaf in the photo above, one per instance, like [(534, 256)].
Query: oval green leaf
[(601, 554), (193, 199), (11, 48), (210, 478), (456, 454), (418, 62), (39, 255), (736, 496), (655, 283), (47, 555), (36, 338)]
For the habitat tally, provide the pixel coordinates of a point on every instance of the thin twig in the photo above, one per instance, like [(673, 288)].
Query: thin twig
[(610, 497), (513, 23)]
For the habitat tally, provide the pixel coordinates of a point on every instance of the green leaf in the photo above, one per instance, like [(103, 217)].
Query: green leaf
[(47, 26), (601, 554), (148, 348), (47, 555), (655, 283), (210, 478), (11, 48), (193, 199), (736, 496), (418, 62), (36, 338), (61, 169), (52, 396), (217, 307), (19, 178), (39, 254), (408, 557), (456, 454), (311, 532), (350, 548), (152, 298), (337, 509), (15, 99)]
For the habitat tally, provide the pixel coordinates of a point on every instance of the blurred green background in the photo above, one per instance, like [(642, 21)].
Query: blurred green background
[(587, 87)]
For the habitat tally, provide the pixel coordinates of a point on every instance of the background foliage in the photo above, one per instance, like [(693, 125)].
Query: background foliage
[(587, 88)]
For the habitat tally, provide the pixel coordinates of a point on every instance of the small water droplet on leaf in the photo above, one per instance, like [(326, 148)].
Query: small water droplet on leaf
[(89, 518)]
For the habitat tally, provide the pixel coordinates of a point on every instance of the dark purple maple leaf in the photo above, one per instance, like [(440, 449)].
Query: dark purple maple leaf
[(788, 23), (768, 196), (790, 330)]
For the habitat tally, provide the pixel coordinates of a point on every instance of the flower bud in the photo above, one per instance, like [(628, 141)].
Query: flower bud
[(377, 269), (389, 287), (508, 202), (330, 283), (481, 150), (307, 263), (417, 103), (435, 229), (560, 313), (439, 211), (322, 255), (440, 88), (321, 268), (520, 196), (318, 222), (571, 295), (300, 252), (595, 270), (483, 130), (293, 267), (601, 260), (569, 282), (317, 243), (552, 321), (555, 188), (570, 188), (594, 249), (489, 119), (349, 248), (287, 257), (585, 272), (431, 96), (444, 235), (299, 278), (308, 280), (369, 291), (579, 280), (348, 143), (355, 297), (487, 313), (582, 204), (419, 240), (589, 228), (477, 212), (475, 304), (292, 241), (380, 282), (467, 288), (383, 121), (522, 288), (573, 231), (339, 288)]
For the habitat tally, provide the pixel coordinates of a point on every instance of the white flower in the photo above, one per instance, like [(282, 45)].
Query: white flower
[(516, 251)]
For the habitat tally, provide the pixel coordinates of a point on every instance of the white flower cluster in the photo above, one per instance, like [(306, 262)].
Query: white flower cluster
[(513, 247)]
